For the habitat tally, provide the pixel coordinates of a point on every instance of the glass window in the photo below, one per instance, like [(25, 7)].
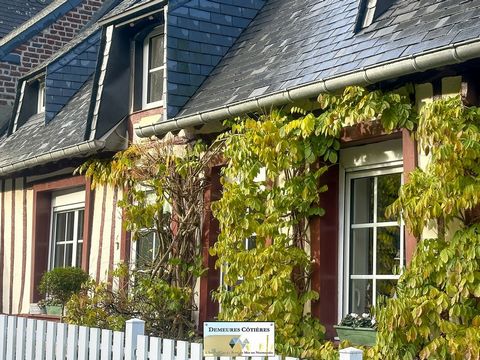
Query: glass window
[(41, 97), (249, 244), (375, 243), (67, 238), (147, 249), (154, 69)]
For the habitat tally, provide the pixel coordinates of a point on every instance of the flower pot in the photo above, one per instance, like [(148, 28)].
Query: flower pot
[(54, 310), (36, 309), (357, 336)]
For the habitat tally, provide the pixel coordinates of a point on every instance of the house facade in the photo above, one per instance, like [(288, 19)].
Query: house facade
[(147, 68), (30, 33)]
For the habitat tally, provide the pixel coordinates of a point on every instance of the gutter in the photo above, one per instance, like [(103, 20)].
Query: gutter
[(448, 55), (108, 20), (80, 149)]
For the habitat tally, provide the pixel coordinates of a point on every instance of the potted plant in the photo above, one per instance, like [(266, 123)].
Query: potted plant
[(358, 329), (58, 285)]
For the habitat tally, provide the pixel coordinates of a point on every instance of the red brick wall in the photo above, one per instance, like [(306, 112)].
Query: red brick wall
[(39, 48)]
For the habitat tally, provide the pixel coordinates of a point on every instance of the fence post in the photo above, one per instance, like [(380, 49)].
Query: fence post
[(351, 353), (133, 328)]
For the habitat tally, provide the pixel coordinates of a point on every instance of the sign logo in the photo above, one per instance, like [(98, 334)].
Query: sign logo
[(236, 341), (239, 339)]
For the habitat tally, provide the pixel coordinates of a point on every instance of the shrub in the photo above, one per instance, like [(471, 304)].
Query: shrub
[(165, 308), (59, 284)]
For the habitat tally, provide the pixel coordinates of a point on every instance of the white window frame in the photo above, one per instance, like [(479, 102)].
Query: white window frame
[(374, 225), (66, 202), (41, 97), (134, 246), (376, 156), (248, 245), (146, 71)]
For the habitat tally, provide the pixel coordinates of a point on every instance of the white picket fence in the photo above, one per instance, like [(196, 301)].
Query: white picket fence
[(30, 339)]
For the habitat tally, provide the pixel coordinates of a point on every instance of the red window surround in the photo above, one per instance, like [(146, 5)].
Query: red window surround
[(42, 208)]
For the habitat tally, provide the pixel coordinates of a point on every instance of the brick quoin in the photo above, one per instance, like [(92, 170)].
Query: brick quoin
[(43, 45)]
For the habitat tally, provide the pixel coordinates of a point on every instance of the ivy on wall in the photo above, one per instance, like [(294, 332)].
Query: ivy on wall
[(271, 281), (436, 312)]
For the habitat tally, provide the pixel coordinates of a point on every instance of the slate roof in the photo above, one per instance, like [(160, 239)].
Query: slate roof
[(16, 12), (296, 42), (88, 30), (123, 6), (34, 137)]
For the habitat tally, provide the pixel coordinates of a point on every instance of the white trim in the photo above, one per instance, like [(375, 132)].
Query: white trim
[(344, 255), (68, 197), (103, 68), (382, 154), (19, 106), (373, 159), (146, 71), (41, 97), (65, 201), (341, 247), (369, 13)]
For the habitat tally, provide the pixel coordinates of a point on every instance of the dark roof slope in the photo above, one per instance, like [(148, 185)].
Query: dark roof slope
[(295, 42), (35, 138), (16, 12)]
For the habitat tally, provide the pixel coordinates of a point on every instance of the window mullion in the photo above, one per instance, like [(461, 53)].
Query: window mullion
[(375, 205), (65, 240), (75, 238), (53, 244)]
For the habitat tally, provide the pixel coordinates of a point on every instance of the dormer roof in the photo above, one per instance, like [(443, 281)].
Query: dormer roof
[(16, 12), (315, 48)]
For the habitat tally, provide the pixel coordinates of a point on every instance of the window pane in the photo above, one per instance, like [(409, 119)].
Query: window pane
[(60, 227), (156, 52), (78, 262), (361, 292), (68, 254), (59, 256), (386, 288), (155, 86), (387, 188), (251, 242), (362, 200), (145, 250), (361, 253), (70, 224), (388, 250), (80, 225)]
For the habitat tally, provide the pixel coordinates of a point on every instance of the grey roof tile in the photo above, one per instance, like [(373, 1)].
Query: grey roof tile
[(16, 12), (315, 40), (35, 138)]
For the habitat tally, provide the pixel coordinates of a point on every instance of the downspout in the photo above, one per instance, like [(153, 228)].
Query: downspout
[(452, 54), (81, 149)]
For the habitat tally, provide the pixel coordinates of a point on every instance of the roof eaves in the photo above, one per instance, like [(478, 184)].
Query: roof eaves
[(78, 150), (447, 55), (36, 24), (132, 11)]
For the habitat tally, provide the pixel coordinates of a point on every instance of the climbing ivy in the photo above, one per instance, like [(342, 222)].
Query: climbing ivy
[(436, 311), (436, 314), (163, 191), (295, 148)]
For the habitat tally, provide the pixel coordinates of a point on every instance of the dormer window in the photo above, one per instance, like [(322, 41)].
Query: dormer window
[(369, 11), (41, 97), (153, 69)]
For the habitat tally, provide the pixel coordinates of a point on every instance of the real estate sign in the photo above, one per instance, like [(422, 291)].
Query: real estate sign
[(239, 338)]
